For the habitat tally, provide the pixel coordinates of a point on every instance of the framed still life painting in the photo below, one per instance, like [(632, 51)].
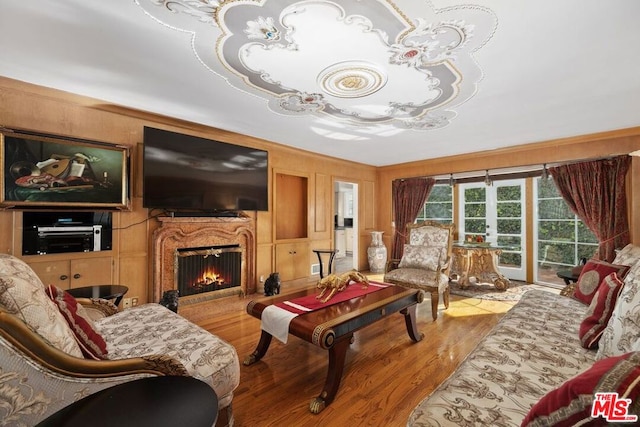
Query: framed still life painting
[(50, 171)]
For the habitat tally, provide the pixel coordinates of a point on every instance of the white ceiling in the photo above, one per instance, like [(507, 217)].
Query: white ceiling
[(353, 79)]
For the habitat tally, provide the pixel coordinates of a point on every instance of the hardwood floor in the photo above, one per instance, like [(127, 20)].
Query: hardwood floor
[(386, 374)]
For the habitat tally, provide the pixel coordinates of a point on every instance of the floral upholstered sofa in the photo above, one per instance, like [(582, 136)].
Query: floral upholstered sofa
[(55, 349), (545, 360)]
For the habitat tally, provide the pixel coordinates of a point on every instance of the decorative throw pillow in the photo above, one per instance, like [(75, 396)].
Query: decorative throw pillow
[(600, 311), (629, 255), (425, 257), (622, 334), (28, 301), (592, 275), (91, 342), (572, 402)]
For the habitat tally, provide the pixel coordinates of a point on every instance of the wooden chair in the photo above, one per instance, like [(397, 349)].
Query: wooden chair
[(425, 262)]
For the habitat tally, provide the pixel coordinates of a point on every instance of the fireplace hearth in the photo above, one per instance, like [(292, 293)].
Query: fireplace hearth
[(218, 256), (202, 270)]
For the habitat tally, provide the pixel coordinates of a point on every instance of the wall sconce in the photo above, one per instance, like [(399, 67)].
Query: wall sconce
[(451, 180), (487, 179)]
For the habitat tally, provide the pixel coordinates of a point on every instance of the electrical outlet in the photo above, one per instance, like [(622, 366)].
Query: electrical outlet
[(126, 303), (134, 301), (261, 279)]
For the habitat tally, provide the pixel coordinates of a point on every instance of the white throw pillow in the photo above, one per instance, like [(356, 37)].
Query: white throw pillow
[(22, 294), (629, 255), (622, 334)]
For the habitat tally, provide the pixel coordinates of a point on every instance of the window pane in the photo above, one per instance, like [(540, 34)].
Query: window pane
[(512, 242), (439, 205), (440, 193), (586, 251), (509, 226), (509, 193), (556, 230), (557, 253), (554, 209), (475, 210), (438, 211), (509, 259), (475, 226), (475, 195), (585, 235), (547, 189), (509, 210)]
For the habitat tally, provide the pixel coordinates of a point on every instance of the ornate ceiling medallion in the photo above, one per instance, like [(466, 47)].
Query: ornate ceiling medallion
[(318, 57), (352, 79)]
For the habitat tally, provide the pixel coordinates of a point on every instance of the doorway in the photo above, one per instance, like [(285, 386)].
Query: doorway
[(497, 213), (345, 226)]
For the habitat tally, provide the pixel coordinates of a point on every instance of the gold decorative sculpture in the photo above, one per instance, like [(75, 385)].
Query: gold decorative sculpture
[(338, 283)]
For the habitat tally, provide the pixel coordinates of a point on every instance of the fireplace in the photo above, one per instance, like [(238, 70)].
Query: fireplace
[(202, 270), (222, 250)]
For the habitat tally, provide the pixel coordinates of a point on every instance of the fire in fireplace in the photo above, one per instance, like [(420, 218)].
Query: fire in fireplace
[(209, 269)]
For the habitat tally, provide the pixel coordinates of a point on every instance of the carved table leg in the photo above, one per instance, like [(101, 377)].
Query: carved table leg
[(261, 349), (410, 322), (501, 283), (337, 355)]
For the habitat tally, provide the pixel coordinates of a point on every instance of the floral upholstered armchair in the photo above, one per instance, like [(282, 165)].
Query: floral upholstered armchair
[(425, 262), (56, 349)]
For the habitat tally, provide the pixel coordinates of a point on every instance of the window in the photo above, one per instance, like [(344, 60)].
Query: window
[(562, 238), (439, 205), (496, 213)]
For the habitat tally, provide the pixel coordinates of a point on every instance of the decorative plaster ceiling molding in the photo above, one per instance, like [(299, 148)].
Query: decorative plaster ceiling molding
[(355, 63)]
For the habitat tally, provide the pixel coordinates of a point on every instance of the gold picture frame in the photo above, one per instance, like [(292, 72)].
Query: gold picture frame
[(41, 170)]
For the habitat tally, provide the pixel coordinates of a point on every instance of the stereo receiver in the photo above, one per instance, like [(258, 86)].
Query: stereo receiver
[(76, 233)]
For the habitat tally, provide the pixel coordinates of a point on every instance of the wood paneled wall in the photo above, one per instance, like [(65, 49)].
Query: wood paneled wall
[(36, 108)]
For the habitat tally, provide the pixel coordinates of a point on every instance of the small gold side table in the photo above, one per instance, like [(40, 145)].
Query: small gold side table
[(478, 261)]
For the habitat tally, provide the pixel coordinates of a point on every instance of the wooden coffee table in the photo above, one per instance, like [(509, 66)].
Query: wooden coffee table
[(332, 328)]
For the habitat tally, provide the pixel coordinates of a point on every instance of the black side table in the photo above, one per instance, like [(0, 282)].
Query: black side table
[(149, 402), (110, 292), (568, 276)]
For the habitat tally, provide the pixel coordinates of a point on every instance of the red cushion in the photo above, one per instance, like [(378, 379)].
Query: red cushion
[(600, 311), (592, 275), (90, 341), (572, 402)]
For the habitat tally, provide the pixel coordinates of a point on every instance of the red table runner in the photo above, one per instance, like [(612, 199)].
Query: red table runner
[(310, 303)]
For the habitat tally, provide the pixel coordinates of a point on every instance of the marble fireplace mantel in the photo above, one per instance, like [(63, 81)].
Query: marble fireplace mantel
[(191, 232)]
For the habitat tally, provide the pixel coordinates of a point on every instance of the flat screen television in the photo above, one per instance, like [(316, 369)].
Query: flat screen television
[(188, 173)]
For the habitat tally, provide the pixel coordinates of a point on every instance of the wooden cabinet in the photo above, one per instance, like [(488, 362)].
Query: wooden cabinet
[(349, 240), (293, 260), (74, 273), (340, 243)]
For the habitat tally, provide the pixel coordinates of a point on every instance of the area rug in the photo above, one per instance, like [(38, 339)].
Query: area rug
[(489, 292)]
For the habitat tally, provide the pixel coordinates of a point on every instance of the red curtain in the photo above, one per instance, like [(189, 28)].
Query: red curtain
[(409, 196), (596, 192)]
